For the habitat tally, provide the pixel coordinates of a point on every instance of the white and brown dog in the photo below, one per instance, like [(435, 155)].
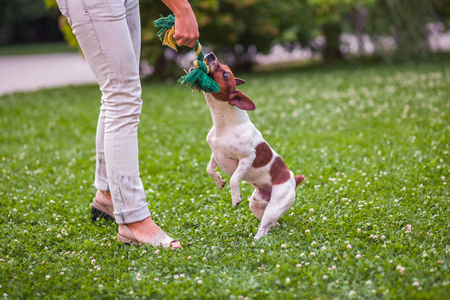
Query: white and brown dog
[(240, 151)]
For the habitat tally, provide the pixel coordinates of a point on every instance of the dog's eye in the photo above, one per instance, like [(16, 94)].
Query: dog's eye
[(225, 75)]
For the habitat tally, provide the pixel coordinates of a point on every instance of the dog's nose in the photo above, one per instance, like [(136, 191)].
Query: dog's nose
[(210, 57)]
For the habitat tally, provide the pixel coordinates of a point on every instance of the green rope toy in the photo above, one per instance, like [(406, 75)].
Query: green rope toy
[(197, 79)]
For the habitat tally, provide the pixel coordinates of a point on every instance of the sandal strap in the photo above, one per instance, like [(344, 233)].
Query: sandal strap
[(127, 232), (103, 201), (162, 239)]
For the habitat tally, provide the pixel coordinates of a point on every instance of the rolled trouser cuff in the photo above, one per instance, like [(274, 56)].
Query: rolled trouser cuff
[(130, 216), (101, 184)]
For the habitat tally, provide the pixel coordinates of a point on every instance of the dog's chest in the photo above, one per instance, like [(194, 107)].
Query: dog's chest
[(228, 143), (224, 155), (229, 146)]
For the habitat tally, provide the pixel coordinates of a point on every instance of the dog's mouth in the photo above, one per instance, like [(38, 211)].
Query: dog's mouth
[(212, 62)]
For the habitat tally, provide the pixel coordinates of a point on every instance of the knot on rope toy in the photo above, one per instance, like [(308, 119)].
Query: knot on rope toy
[(165, 34), (197, 78)]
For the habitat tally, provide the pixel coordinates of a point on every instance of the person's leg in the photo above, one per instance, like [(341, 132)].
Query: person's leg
[(101, 28), (139, 229), (101, 178), (78, 11), (102, 32), (134, 28)]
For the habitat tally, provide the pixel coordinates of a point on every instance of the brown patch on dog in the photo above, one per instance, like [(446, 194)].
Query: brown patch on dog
[(224, 77), (263, 155), (239, 81), (264, 191), (279, 172), (226, 85), (239, 99), (299, 178)]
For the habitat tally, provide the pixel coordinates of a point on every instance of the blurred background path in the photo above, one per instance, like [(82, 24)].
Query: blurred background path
[(32, 72), (21, 72)]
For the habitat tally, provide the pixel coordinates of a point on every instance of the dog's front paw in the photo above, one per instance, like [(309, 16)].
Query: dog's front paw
[(236, 201), (220, 183)]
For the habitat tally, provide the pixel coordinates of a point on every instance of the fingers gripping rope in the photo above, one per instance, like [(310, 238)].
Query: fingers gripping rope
[(197, 79)]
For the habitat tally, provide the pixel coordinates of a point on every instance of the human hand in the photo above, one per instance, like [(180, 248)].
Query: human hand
[(186, 29)]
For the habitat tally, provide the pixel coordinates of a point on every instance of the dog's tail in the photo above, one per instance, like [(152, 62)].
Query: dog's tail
[(299, 178)]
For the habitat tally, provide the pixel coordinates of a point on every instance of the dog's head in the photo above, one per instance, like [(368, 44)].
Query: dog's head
[(227, 82)]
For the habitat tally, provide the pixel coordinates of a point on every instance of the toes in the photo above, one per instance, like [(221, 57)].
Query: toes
[(236, 204), (175, 245), (221, 184)]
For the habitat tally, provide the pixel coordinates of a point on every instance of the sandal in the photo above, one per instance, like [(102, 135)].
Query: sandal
[(102, 208), (160, 239)]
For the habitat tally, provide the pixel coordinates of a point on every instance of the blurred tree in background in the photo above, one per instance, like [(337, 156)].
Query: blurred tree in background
[(405, 21), (236, 29), (239, 29), (26, 21), (63, 24), (332, 17)]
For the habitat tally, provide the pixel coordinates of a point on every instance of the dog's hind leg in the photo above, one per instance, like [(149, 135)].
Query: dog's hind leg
[(282, 198), (258, 204)]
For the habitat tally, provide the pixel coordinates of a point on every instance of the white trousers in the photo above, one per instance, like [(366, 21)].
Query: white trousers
[(109, 34)]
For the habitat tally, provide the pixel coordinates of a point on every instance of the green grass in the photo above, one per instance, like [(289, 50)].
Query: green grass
[(373, 142), (32, 49)]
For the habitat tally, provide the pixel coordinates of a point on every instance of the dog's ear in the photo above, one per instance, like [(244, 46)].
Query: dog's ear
[(240, 100), (239, 81)]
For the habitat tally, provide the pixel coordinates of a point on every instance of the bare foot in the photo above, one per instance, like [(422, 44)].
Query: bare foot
[(145, 230)]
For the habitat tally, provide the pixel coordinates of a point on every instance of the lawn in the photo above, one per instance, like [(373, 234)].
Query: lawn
[(35, 49), (370, 222)]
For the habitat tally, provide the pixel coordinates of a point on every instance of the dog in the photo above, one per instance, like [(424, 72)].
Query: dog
[(240, 151)]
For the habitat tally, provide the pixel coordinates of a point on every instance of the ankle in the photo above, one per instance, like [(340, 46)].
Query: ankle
[(146, 226), (107, 194)]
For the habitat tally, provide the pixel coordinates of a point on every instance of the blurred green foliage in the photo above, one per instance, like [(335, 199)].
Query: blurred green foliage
[(238, 29), (26, 20), (405, 21), (256, 25), (63, 25)]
